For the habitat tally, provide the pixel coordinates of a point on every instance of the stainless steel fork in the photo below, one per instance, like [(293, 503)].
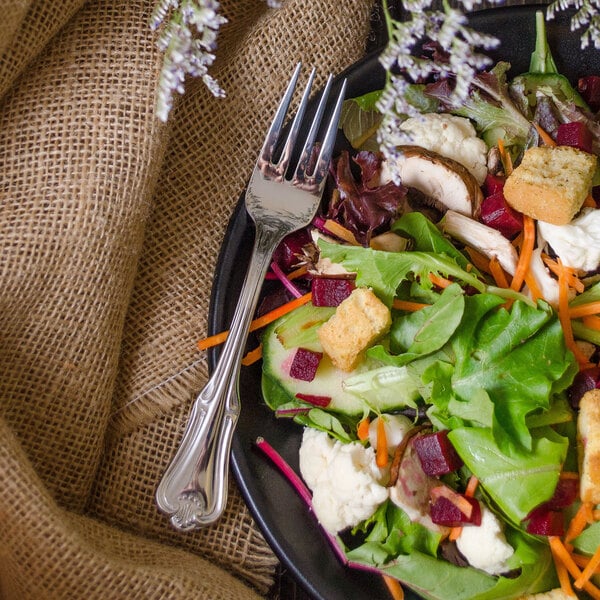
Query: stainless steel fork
[(193, 490)]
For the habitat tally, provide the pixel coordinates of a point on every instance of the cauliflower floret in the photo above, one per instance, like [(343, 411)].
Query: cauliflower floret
[(344, 479), (451, 136), (485, 546), (577, 243)]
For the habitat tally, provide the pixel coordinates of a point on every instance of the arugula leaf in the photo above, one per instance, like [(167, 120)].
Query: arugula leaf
[(517, 482), (384, 271)]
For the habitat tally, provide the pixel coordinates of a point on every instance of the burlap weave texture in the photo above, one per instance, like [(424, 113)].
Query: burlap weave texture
[(110, 227)]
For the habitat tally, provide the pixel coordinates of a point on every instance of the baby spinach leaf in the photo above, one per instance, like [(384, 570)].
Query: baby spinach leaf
[(517, 482)]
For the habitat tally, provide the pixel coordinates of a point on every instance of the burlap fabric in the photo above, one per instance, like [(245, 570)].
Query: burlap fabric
[(110, 225)]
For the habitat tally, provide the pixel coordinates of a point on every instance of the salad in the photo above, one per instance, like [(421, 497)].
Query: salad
[(442, 351)]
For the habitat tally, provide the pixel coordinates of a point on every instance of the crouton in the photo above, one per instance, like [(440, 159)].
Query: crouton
[(551, 183), (588, 442), (356, 324), (555, 594)]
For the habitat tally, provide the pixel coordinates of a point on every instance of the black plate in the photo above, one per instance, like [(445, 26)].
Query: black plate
[(287, 525)]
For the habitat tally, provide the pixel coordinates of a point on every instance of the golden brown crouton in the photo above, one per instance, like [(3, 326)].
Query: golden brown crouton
[(356, 324), (588, 438), (551, 183)]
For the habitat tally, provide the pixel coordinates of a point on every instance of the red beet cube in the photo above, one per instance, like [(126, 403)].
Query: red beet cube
[(289, 251), (329, 291), (496, 213), (565, 494), (589, 88), (445, 512), (574, 134), (436, 453), (585, 380), (305, 364), (321, 401), (543, 521), (493, 184)]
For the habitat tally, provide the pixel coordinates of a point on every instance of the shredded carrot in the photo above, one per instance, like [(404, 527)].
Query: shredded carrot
[(505, 157), (340, 231), (589, 570), (534, 290), (252, 356), (299, 272), (580, 519), (584, 310), (362, 431), (394, 587), (471, 486), (592, 322), (219, 338), (563, 575), (564, 556), (443, 491), (564, 316), (498, 273), (381, 455), (440, 282), (479, 260), (589, 202), (407, 305), (455, 533), (526, 252), (570, 274), (548, 141)]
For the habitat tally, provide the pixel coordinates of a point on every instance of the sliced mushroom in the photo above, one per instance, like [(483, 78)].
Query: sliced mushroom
[(482, 238), (443, 179)]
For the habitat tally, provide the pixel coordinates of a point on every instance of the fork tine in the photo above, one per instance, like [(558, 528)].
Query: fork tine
[(266, 152), (295, 127), (312, 133), (330, 135)]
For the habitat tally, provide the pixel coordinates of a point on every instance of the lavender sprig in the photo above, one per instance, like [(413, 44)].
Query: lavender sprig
[(586, 16)]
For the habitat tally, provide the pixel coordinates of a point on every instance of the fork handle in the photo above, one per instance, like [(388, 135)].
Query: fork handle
[(193, 490)]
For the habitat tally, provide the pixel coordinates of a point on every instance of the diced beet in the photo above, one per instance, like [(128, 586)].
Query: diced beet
[(444, 512), (305, 364), (436, 454), (566, 492), (287, 253), (584, 381), (575, 134), (589, 88), (543, 521), (330, 291), (493, 184), (321, 401), (496, 213)]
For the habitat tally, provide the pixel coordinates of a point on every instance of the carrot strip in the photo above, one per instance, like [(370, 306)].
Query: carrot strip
[(340, 231), (584, 310), (589, 570), (471, 486), (394, 587), (563, 575), (440, 282), (219, 338), (564, 316), (534, 290), (580, 519), (479, 260), (589, 202), (548, 141), (252, 356), (505, 157), (407, 305), (498, 273), (562, 554), (455, 533), (592, 590), (299, 272), (362, 431), (526, 253), (381, 455), (592, 322), (570, 274)]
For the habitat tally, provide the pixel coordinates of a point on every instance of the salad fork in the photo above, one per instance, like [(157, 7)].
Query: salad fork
[(193, 490)]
